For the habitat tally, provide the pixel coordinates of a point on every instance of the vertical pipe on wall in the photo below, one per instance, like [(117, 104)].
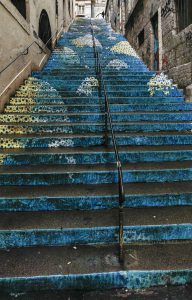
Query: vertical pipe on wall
[(160, 39)]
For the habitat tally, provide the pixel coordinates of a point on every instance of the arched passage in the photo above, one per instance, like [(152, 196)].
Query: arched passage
[(45, 29), (21, 6)]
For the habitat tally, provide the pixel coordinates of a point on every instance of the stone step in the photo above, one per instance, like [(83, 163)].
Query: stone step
[(95, 155), (62, 108), (59, 228), (64, 86), (94, 117), (58, 82), (93, 267), (94, 196), (47, 100), (98, 173), (112, 75), (92, 139), (41, 127)]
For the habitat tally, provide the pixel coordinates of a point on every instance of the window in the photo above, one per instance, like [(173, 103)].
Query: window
[(21, 6), (81, 9), (56, 7), (141, 38), (184, 13)]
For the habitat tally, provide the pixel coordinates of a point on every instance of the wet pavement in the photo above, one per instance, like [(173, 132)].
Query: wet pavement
[(160, 293)]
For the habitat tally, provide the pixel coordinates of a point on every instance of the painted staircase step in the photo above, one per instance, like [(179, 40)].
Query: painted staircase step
[(62, 108), (22, 229), (94, 155), (92, 139), (93, 100), (87, 127), (93, 267), (94, 196), (91, 174), (94, 117)]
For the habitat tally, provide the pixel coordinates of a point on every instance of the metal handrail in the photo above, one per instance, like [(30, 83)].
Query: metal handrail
[(26, 51), (108, 119)]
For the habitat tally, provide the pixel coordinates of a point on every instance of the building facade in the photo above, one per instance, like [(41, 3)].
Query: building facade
[(25, 27), (160, 31), (90, 8)]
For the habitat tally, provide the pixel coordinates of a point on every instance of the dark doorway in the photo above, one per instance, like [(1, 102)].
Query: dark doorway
[(45, 29), (21, 6), (154, 22)]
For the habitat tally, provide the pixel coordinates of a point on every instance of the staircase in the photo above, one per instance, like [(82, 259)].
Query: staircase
[(59, 193)]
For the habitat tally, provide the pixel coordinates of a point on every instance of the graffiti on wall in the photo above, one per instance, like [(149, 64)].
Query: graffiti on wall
[(189, 36), (154, 22), (165, 61), (189, 39), (167, 9), (148, 54)]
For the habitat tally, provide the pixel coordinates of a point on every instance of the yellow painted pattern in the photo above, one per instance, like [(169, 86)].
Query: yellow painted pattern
[(18, 119), (8, 129), (20, 109), (22, 101), (10, 144), (2, 157)]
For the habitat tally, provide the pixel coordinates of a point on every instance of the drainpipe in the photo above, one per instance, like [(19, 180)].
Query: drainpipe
[(92, 8)]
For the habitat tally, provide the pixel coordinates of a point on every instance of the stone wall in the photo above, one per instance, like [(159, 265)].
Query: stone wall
[(16, 34), (175, 46)]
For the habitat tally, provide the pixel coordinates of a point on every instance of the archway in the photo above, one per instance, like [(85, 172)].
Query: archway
[(21, 6), (45, 29)]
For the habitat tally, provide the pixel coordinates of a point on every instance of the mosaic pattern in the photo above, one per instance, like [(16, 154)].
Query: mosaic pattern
[(33, 87), (124, 48), (69, 56), (86, 41), (117, 64), (161, 83), (2, 158), (87, 85), (23, 101), (11, 144), (61, 143)]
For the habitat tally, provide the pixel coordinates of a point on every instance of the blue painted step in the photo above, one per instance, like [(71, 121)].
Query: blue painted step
[(94, 197), (73, 228), (97, 155), (89, 174)]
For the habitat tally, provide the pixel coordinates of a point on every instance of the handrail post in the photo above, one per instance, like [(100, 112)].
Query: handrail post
[(108, 120)]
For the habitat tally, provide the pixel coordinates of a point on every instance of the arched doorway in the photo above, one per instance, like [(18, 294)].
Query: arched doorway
[(21, 6), (45, 29)]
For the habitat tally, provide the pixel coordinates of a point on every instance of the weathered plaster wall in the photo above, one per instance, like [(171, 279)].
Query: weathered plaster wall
[(20, 33)]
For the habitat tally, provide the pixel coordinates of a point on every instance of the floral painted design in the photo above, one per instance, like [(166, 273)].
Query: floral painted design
[(2, 158), (124, 48), (117, 64), (61, 143), (11, 144), (86, 40), (87, 85), (33, 86), (112, 38), (161, 83)]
